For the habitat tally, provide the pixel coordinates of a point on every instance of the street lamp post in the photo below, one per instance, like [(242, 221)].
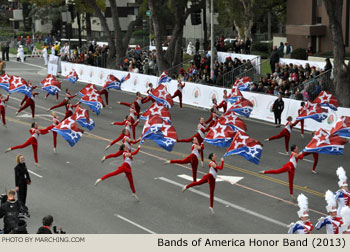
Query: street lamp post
[(212, 39)]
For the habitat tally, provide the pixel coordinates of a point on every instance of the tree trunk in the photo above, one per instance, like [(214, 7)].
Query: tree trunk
[(341, 72), (172, 57), (88, 26), (111, 59)]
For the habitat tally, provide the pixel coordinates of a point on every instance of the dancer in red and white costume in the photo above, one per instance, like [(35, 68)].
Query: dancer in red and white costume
[(125, 167), (2, 108), (200, 135), (284, 133), (149, 97), (213, 110), (223, 104), (137, 102), (29, 102), (29, 84), (69, 109), (129, 124), (288, 167), (192, 158), (178, 92), (127, 142), (55, 122), (209, 178), (302, 104), (68, 97), (33, 140), (212, 122), (124, 133)]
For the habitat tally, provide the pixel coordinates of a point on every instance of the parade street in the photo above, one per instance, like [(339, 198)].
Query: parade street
[(63, 184)]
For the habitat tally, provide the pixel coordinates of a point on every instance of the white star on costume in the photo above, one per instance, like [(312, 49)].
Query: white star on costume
[(5, 79), (165, 129), (335, 148), (253, 151), (322, 137), (17, 81), (238, 143), (92, 96), (325, 97), (80, 114), (162, 93), (230, 119), (74, 135), (156, 109), (218, 130), (168, 142), (67, 124), (311, 108), (246, 110), (154, 129)]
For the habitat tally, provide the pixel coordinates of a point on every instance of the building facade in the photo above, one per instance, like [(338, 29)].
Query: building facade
[(308, 25)]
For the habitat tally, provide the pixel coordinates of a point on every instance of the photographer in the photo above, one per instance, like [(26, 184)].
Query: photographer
[(10, 210), (47, 226)]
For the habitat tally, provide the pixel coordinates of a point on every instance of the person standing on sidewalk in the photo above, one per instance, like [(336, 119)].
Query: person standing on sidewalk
[(277, 109)]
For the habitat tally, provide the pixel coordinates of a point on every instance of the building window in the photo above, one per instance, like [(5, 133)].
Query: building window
[(318, 20), (319, 2)]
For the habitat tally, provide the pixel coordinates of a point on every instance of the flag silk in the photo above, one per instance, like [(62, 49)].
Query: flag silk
[(164, 78), (19, 85), (220, 135), (93, 100), (51, 85), (87, 89), (232, 120), (160, 131), (113, 82), (235, 95), (243, 84), (342, 127), (81, 116), (326, 99), (313, 111), (323, 142), (5, 81), (242, 106), (157, 110), (245, 146), (162, 96), (69, 130), (72, 76)]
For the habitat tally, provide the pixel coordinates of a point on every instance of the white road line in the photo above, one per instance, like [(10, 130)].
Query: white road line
[(36, 174), (307, 160), (28, 64), (135, 224), (283, 153), (226, 203)]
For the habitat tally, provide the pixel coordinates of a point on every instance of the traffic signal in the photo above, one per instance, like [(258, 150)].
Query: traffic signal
[(145, 24), (196, 18)]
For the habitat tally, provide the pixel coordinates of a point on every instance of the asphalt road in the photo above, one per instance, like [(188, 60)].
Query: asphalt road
[(63, 184)]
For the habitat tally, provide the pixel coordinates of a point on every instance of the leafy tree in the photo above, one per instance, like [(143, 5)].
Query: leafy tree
[(179, 12), (117, 41), (341, 70)]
